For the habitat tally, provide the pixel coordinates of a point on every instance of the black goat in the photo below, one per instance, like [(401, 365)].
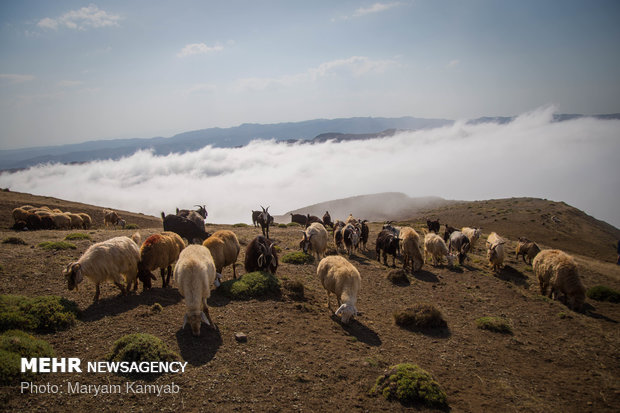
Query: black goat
[(327, 220), (260, 255), (185, 228), (387, 242), (255, 215), (433, 226), (351, 238), (338, 226), (364, 235), (298, 218), (449, 230), (264, 219), (310, 219)]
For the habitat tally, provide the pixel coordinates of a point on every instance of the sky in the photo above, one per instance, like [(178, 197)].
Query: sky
[(72, 71), (572, 161)]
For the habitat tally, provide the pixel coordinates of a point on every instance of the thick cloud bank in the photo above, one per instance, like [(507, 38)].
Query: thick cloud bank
[(574, 161)]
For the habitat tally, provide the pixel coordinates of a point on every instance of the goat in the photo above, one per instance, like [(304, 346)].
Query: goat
[(315, 238), (459, 243), (311, 219), (433, 226), (260, 255), (449, 230), (387, 242), (339, 277), (327, 220), (185, 228), (264, 219)]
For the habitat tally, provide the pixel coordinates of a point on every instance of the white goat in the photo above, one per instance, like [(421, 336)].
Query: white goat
[(437, 248), (315, 238), (339, 276)]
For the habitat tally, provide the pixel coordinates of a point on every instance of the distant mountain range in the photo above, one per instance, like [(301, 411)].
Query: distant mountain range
[(312, 131)]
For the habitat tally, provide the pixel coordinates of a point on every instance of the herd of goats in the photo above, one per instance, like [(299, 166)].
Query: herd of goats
[(200, 261)]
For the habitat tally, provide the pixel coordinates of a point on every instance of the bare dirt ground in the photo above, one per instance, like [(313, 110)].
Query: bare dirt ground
[(298, 357)]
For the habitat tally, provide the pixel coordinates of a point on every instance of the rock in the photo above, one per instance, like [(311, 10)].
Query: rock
[(241, 337)]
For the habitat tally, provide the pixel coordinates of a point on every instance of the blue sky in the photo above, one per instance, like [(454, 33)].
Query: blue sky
[(72, 71)]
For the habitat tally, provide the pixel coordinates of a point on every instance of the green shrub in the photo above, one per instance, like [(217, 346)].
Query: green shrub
[(495, 324), (44, 313), (14, 241), (251, 285), (603, 293), (409, 384), (294, 288), (14, 345), (57, 245), (132, 226), (240, 225), (281, 225), (293, 224), (76, 236), (297, 258), (420, 317), (140, 347)]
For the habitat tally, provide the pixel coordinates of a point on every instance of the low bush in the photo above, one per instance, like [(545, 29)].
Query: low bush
[(603, 293), (57, 245), (409, 384), (76, 236), (44, 314), (297, 258), (132, 226), (495, 324), (14, 241), (14, 345), (294, 289), (251, 285), (240, 225), (420, 317), (140, 347), (398, 276)]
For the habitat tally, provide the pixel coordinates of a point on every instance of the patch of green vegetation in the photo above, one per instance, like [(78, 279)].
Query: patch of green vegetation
[(563, 315), (76, 236), (132, 226), (281, 225), (240, 225), (14, 241), (14, 345), (495, 324), (293, 224), (140, 347), (297, 258), (251, 285), (420, 317), (48, 313), (156, 308), (603, 293), (57, 245), (277, 248), (409, 384)]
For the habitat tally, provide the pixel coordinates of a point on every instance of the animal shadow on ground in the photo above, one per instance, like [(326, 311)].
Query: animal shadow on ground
[(587, 310), (426, 276), (199, 350), (363, 260), (217, 299), (120, 303), (454, 269), (359, 331), (514, 276), (438, 332)]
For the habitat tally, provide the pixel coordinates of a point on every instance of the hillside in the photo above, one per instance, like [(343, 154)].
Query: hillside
[(299, 357)]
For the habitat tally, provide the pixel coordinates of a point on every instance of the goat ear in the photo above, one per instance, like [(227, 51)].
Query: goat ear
[(203, 317), (184, 321), (77, 270)]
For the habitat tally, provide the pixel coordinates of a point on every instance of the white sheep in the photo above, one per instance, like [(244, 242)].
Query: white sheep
[(411, 248), (61, 221), (159, 251), (558, 270), (194, 274), (86, 219), (340, 277), (76, 220), (437, 248), (224, 247), (315, 239), (495, 251), (473, 234), (107, 261)]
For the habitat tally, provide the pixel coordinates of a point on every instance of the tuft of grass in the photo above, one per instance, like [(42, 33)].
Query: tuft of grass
[(409, 384), (14, 241), (14, 345), (251, 285), (495, 324), (398, 276), (281, 225), (603, 293), (132, 226), (240, 225), (57, 245), (297, 258), (140, 347), (76, 236), (420, 317), (294, 288), (156, 308), (46, 314), (293, 224)]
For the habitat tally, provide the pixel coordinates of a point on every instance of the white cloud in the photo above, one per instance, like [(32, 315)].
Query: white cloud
[(572, 161), (198, 48), (453, 63), (375, 8), (82, 19), (15, 78), (355, 65)]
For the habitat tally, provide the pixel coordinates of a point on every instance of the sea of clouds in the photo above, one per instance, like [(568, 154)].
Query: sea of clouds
[(576, 161)]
